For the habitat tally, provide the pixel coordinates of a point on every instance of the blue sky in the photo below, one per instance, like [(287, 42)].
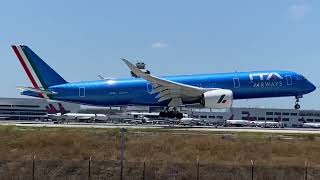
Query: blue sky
[(82, 39)]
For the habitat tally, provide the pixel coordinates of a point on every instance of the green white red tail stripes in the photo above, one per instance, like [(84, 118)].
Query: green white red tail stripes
[(29, 69)]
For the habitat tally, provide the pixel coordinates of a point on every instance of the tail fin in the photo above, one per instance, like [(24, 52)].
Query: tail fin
[(40, 73), (48, 110), (62, 110), (52, 109)]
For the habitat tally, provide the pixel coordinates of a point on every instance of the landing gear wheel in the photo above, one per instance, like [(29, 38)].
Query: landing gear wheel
[(179, 115), (163, 114), (171, 114), (297, 106)]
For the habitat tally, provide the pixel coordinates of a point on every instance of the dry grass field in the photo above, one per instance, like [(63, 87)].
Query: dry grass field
[(228, 152)]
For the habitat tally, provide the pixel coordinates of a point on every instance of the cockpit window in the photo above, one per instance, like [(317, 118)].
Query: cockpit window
[(300, 77)]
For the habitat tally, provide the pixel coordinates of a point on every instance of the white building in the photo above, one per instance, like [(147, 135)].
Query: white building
[(288, 117), (29, 109)]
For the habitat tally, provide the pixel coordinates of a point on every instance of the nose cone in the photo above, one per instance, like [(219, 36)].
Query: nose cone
[(310, 87)]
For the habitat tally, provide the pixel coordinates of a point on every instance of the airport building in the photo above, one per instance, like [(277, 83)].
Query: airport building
[(288, 117), (28, 108), (35, 109)]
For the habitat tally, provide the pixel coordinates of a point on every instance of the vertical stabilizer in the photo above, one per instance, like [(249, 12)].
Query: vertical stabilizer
[(40, 73)]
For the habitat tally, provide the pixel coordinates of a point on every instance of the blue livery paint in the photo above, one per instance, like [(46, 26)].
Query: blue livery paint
[(136, 91), (46, 74)]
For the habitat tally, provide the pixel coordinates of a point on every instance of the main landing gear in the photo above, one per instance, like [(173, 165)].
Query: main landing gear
[(171, 114), (297, 105)]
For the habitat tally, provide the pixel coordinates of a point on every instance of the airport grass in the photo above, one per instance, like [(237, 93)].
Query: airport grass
[(158, 146), (63, 153)]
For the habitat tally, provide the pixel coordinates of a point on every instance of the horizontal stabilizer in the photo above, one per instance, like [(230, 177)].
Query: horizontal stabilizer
[(36, 90)]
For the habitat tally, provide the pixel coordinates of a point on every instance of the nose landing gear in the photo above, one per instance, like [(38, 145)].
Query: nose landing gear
[(297, 105)]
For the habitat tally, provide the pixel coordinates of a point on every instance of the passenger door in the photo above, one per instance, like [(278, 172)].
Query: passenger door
[(149, 88), (289, 80), (82, 92), (236, 83)]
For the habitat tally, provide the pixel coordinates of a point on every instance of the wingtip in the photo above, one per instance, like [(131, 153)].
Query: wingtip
[(125, 60), (128, 63)]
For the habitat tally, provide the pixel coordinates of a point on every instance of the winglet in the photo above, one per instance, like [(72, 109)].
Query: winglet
[(133, 68)]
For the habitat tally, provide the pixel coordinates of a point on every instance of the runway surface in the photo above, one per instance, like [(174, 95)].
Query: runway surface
[(166, 127)]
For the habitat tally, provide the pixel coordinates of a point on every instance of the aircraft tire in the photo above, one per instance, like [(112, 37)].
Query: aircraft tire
[(179, 115), (171, 114), (163, 114)]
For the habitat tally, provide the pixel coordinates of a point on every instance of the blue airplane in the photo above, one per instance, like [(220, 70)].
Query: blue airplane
[(206, 90)]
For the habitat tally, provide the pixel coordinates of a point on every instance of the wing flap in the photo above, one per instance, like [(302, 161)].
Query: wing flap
[(168, 97)]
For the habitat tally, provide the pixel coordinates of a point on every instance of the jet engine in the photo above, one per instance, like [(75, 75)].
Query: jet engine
[(217, 99)]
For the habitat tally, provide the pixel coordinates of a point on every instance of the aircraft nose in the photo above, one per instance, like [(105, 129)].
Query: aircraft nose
[(310, 87), (313, 87)]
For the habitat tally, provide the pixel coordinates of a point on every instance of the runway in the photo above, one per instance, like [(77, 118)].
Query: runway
[(164, 127)]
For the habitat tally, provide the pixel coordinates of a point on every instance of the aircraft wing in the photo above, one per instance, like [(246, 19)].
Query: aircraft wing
[(168, 90)]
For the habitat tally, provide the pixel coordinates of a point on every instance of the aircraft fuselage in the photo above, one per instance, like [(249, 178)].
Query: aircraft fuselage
[(137, 91)]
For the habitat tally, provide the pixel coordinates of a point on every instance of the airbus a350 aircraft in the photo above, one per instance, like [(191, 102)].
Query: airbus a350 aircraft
[(207, 90)]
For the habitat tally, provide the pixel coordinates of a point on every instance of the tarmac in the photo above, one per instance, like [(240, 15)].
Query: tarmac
[(166, 127)]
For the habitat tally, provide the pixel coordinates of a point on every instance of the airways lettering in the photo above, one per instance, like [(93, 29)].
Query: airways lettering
[(261, 80), (267, 84)]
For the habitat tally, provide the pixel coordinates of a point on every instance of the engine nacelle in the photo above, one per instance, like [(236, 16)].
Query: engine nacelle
[(217, 99)]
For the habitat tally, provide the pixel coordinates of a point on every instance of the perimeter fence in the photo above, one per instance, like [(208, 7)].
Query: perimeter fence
[(94, 169)]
